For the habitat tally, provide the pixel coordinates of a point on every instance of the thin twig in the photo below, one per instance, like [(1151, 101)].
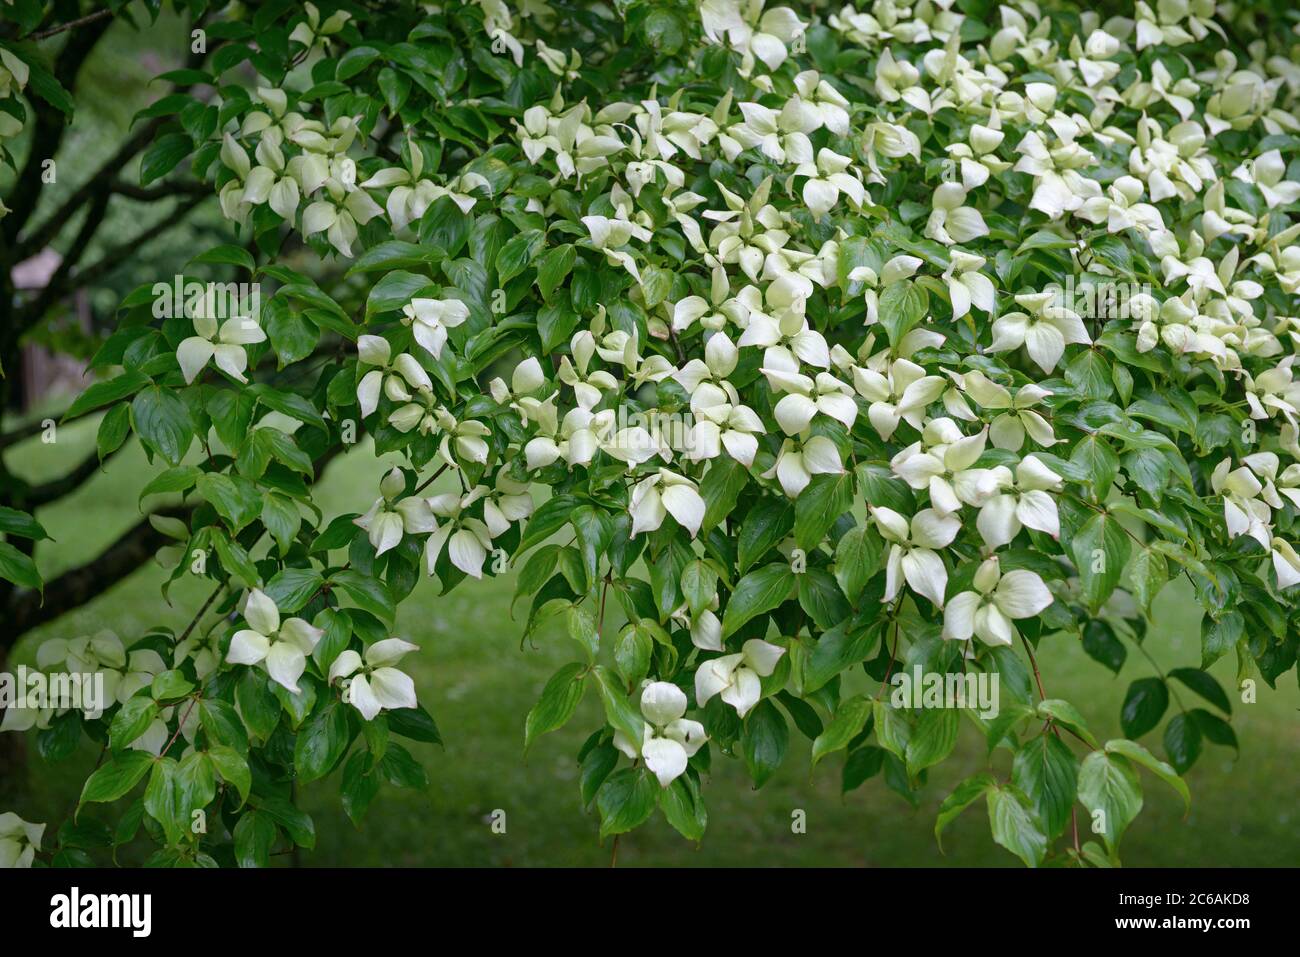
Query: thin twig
[(72, 24)]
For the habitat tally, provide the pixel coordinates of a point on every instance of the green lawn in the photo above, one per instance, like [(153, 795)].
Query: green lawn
[(478, 683)]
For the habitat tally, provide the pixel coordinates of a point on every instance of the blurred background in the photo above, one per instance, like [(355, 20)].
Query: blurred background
[(472, 673)]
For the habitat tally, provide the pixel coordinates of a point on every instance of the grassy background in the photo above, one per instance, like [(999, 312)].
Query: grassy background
[(474, 677)]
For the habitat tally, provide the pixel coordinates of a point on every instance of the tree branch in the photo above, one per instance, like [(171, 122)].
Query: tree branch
[(48, 132), (100, 182), (72, 24)]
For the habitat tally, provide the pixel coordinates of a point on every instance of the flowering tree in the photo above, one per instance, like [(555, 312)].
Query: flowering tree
[(828, 344)]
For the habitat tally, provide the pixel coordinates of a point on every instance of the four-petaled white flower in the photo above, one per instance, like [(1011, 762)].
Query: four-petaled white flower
[(370, 682), (221, 342), (282, 646), (669, 739), (738, 677), (913, 554), (998, 599)]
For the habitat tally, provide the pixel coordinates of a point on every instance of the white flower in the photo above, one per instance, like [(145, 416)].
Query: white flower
[(737, 677), (283, 647), (987, 612), (665, 493), (430, 319), (379, 686), (1266, 173), (912, 555), (392, 377), (1044, 331), (798, 461), (669, 739), (1023, 502), (224, 343), (1007, 431), (951, 221), (1244, 512), (387, 520), (19, 840), (967, 285), (826, 180), (942, 462), (468, 539)]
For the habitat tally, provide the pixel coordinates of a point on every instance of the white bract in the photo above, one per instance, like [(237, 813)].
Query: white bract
[(282, 647), (669, 739)]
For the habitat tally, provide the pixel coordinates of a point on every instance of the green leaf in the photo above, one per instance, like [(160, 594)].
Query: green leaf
[(117, 776), (394, 291), (836, 650), (131, 721), (1144, 706), (849, 718), (233, 768), (17, 567), (821, 598), (826, 498), (699, 586), (1182, 742), (254, 837), (963, 796), (170, 686), (113, 430), (857, 559), (163, 156), (767, 523), (1047, 771), (1149, 572), (227, 254), (683, 808), (1100, 549), (321, 743), (296, 822), (902, 305), (1204, 685), (370, 594), (553, 267), (861, 764), (1068, 716), (163, 422), (765, 737), (414, 723), (258, 706), (1109, 788), (105, 393), (621, 714), (1100, 644), (559, 700), (759, 592), (1219, 636), (626, 800), (933, 738), (1135, 752), (1013, 825)]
